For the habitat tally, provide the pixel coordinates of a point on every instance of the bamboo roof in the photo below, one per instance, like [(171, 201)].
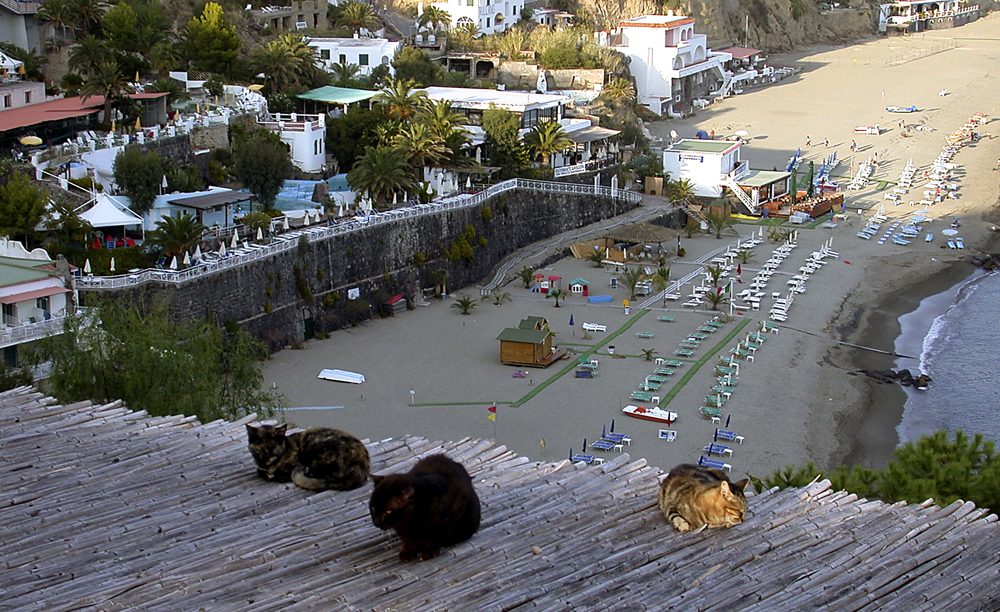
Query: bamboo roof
[(642, 232), (103, 508)]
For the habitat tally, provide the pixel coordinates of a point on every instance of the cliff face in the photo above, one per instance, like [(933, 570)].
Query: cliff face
[(779, 25)]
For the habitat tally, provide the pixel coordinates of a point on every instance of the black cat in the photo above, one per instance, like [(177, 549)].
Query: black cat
[(431, 506)]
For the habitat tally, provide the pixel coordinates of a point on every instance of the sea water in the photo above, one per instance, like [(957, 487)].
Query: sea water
[(956, 336)]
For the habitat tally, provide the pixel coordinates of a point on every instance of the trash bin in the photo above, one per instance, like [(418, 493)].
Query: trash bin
[(626, 310), (611, 350)]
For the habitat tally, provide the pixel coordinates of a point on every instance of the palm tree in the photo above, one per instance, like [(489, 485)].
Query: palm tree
[(526, 275), (278, 63), (400, 98), (177, 234), (163, 57), (715, 273), (546, 138), (58, 13), (434, 17), (619, 89), (440, 117), (307, 68), (176, 92), (420, 147), (746, 255), (692, 226), (681, 190), (106, 81), (661, 278), (630, 278), (466, 303), (89, 13), (719, 223), (381, 172), (556, 294), (88, 54), (343, 73), (716, 299), (597, 258), (648, 353), (497, 297), (357, 16)]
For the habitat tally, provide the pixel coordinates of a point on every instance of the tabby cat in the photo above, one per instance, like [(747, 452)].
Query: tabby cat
[(693, 497), (318, 458), (431, 506)]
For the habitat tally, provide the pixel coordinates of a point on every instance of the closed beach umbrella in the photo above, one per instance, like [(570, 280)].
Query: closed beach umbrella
[(235, 244), (112, 266), (197, 252), (222, 249), (173, 263), (260, 234), (284, 223), (187, 258), (612, 426), (727, 420), (571, 320)]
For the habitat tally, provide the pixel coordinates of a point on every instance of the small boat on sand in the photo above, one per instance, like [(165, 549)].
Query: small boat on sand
[(901, 109), (650, 414), (342, 376)]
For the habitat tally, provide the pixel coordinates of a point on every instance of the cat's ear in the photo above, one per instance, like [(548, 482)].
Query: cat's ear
[(408, 493), (377, 479), (252, 434), (281, 429), (741, 485)]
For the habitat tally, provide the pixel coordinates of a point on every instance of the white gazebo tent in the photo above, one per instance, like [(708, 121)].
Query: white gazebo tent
[(9, 64), (107, 211)]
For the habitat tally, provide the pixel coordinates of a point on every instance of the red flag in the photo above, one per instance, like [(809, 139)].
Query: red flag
[(493, 408), (739, 269), (718, 290)]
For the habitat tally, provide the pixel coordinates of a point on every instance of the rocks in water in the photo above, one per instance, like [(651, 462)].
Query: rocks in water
[(986, 262), (903, 377)]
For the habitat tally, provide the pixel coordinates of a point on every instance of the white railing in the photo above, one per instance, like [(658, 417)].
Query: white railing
[(26, 332), (212, 263), (739, 193), (587, 166)]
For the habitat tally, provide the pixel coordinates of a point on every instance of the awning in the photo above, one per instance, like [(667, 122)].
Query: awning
[(337, 95), (214, 200), (760, 178), (30, 295), (591, 134), (108, 212), (739, 53)]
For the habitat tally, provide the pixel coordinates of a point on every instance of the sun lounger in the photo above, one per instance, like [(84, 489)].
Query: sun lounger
[(658, 379), (594, 327), (668, 434), (718, 449), (584, 374), (952, 244), (605, 445), (665, 319), (673, 363), (644, 335), (725, 434), (583, 458), (684, 352), (715, 401), (724, 370), (712, 463), (649, 386), (960, 243), (708, 329), (710, 413), (642, 396), (699, 336), (663, 372), (715, 324)]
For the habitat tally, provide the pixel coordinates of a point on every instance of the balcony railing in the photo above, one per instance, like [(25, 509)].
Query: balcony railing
[(21, 332), (213, 263)]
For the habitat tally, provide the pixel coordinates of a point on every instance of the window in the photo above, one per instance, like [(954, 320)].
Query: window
[(363, 59), (9, 318), (487, 22), (343, 59), (324, 54), (6, 101), (42, 303), (470, 2), (27, 97)]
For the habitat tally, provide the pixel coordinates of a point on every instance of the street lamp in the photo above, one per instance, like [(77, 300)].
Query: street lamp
[(412, 392)]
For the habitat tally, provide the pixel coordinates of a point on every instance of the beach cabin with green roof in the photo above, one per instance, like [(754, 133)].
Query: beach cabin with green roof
[(529, 344)]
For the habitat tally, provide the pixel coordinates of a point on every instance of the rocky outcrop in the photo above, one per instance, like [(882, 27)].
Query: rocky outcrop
[(986, 261), (904, 377)]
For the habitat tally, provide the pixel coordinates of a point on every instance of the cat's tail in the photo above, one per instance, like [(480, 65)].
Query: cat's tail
[(351, 480)]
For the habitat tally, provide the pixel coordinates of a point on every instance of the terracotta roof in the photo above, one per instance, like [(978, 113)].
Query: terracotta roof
[(57, 110), (739, 53), (104, 508)]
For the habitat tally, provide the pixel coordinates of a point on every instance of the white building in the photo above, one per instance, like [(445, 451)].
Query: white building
[(366, 53), (712, 166), (305, 135), (672, 65), (489, 16), (35, 296)]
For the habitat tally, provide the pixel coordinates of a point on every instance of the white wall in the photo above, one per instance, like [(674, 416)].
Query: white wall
[(354, 51)]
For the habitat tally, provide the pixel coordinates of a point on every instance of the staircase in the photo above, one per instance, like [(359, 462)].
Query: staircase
[(752, 203)]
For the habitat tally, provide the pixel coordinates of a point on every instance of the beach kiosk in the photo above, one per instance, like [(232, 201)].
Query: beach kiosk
[(529, 344)]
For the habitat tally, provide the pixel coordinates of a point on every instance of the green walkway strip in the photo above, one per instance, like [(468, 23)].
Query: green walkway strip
[(459, 403), (574, 362), (711, 354)]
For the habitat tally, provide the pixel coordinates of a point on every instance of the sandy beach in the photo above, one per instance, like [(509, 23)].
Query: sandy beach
[(797, 400)]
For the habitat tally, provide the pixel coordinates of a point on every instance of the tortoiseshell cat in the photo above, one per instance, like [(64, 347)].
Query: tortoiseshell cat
[(693, 497), (317, 459), (431, 506)]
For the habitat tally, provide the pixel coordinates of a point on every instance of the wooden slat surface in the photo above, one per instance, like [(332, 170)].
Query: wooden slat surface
[(102, 508)]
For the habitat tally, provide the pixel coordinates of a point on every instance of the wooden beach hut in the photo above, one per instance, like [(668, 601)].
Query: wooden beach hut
[(529, 344)]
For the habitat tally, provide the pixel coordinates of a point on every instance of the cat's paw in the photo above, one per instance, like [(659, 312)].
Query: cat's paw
[(406, 554), (681, 525), (430, 554)]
